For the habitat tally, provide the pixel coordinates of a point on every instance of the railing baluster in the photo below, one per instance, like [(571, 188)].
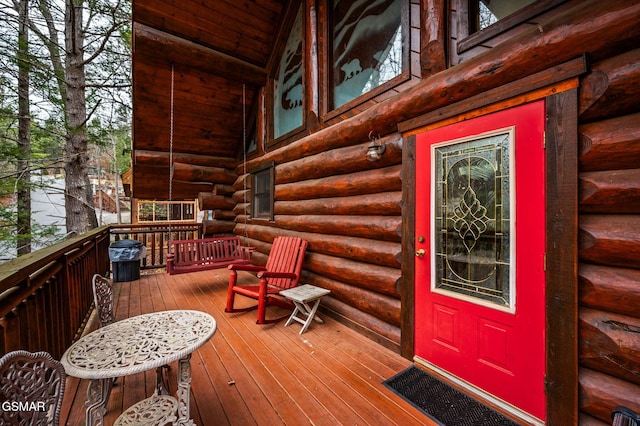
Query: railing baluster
[(153, 248), (154, 236), (46, 295), (12, 333)]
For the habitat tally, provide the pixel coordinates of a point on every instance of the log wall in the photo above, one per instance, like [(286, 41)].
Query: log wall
[(609, 206), (609, 237), (349, 211)]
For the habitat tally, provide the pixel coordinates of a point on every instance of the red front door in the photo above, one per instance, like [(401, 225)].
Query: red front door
[(479, 271)]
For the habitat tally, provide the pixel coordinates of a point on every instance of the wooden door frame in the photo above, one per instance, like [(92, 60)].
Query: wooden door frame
[(561, 157)]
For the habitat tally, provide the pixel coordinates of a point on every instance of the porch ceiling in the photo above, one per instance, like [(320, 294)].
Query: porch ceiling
[(194, 64)]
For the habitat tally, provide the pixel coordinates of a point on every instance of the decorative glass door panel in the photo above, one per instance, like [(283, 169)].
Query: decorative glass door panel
[(479, 266), (472, 219)]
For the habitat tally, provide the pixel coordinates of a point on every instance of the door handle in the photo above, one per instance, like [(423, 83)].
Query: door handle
[(420, 253)]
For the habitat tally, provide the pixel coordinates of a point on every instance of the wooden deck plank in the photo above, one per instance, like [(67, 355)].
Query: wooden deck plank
[(255, 375), (355, 381), (203, 361), (249, 374), (220, 379), (362, 356), (305, 401)]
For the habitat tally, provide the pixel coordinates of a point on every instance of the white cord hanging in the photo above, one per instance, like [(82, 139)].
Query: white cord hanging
[(170, 157), (244, 162)]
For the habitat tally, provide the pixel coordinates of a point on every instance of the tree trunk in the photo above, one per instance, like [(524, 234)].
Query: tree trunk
[(80, 212), (23, 204)]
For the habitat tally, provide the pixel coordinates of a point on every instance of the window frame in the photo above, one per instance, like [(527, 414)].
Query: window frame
[(326, 65), (251, 134), (169, 206), (269, 168), (468, 40), (273, 76)]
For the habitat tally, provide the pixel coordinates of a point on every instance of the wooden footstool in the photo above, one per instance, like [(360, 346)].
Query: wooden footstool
[(302, 297)]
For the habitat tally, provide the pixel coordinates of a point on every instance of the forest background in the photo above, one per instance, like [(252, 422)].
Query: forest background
[(65, 111)]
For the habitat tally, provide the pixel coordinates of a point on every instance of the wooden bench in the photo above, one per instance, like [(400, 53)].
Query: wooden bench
[(206, 253)]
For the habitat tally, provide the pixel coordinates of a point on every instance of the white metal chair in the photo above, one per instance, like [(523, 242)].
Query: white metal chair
[(35, 380), (159, 409), (103, 299)]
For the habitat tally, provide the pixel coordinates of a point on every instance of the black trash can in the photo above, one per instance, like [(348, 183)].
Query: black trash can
[(125, 258)]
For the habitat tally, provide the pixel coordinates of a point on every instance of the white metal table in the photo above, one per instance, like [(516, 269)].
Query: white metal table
[(134, 345), (302, 296)]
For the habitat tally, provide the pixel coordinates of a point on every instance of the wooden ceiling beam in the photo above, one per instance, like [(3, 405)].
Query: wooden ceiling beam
[(147, 157), (162, 45)]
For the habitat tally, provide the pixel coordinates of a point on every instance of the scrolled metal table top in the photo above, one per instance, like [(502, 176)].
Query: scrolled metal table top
[(139, 343)]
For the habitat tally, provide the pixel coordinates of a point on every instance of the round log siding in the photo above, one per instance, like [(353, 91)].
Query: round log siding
[(609, 237), (350, 210)]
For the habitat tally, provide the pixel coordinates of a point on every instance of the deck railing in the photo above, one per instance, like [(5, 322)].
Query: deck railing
[(155, 237), (46, 296)]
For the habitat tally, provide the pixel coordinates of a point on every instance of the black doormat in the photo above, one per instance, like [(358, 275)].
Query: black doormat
[(441, 402)]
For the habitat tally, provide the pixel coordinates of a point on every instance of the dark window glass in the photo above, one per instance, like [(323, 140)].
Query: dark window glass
[(263, 183)]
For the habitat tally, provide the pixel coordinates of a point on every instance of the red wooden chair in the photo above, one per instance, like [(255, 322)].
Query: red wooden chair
[(281, 272)]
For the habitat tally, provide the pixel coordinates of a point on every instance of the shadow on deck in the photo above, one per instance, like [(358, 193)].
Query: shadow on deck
[(249, 374)]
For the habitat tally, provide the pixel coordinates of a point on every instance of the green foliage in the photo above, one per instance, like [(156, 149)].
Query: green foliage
[(7, 188), (47, 143), (107, 47), (41, 235), (106, 138)]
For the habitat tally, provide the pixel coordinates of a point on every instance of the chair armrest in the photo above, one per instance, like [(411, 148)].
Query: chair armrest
[(271, 274), (246, 252), (244, 267), (170, 260)]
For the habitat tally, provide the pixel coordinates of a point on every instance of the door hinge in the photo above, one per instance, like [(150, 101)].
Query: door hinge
[(544, 140), (544, 261)]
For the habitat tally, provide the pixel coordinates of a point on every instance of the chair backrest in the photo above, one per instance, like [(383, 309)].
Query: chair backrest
[(623, 416), (286, 255), (103, 299), (32, 380)]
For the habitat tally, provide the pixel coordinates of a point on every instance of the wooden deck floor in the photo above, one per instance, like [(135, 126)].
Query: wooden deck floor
[(249, 374)]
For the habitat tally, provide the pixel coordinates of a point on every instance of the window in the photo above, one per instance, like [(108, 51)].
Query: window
[(250, 137), (472, 187), (160, 211), (488, 12), (367, 47), (481, 20), (288, 89), (263, 185)]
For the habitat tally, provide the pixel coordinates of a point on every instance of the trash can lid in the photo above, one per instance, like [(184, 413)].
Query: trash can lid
[(125, 244)]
